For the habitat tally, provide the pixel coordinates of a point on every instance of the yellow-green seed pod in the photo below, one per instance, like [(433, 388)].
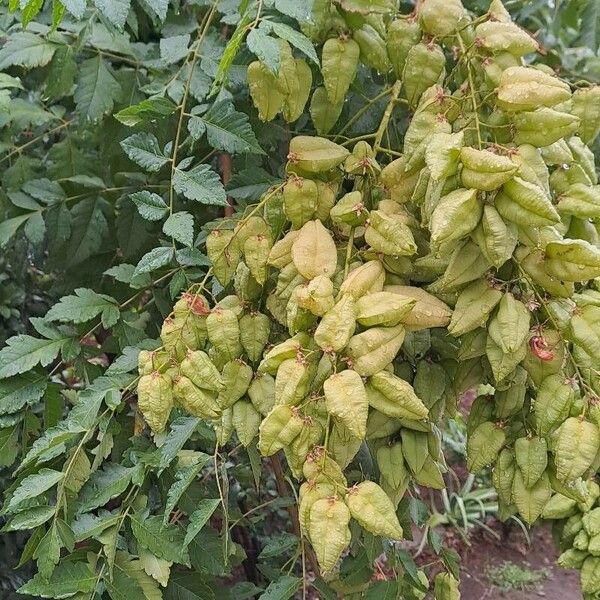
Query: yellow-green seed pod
[(484, 445), (586, 106), (395, 397), (497, 36), (575, 448), (581, 200), (254, 334), (328, 530), (543, 126), (373, 349), (236, 377), (572, 260), (484, 170), (262, 392), (531, 501), (278, 429), (196, 401), (198, 367), (265, 91), (510, 326), (323, 112), (350, 210), (326, 193), (315, 154), (373, 51), (402, 35), (504, 474), (246, 421), (155, 399), (281, 252), (292, 381), (531, 454), (373, 510), (294, 103), (446, 587), (455, 216), (224, 332), (338, 66), (366, 279), (314, 252), (256, 253), (337, 326), (398, 181), (428, 310), (389, 235), (346, 399), (300, 197), (383, 308), (224, 427), (224, 253), (316, 296), (425, 66)]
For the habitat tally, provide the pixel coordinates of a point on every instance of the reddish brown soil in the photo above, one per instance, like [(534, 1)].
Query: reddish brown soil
[(486, 552)]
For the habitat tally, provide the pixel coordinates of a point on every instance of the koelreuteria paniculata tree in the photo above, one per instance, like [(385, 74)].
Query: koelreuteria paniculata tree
[(413, 213)]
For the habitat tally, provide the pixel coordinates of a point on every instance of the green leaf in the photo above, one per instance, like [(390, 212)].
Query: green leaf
[(199, 518), (9, 227), (104, 485), (9, 445), (150, 205), (183, 479), (47, 552), (146, 111), (32, 8), (226, 129), (180, 226), (88, 525), (16, 392), (115, 11), (166, 542), (23, 352), (189, 586), (159, 7), (201, 184), (30, 518), (174, 48), (282, 589), (294, 37), (68, 579), (51, 439), (32, 486), (292, 8), (97, 89), (26, 50), (158, 568), (83, 306), (279, 545), (75, 7), (35, 228), (192, 257), (265, 47), (143, 149), (156, 258), (590, 25), (89, 226), (61, 73), (181, 431)]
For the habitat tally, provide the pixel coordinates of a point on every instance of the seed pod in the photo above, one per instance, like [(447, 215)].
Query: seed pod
[(178, 336), (383, 308), (502, 363), (281, 252), (394, 397), (428, 311), (586, 106), (315, 154), (326, 193), (366, 279), (581, 201), (314, 252), (445, 587), (571, 558), (291, 381), (328, 530), (264, 90), (300, 197), (484, 445), (309, 493), (155, 399), (290, 348), (323, 112), (425, 66), (572, 260), (346, 399), (320, 467), (466, 264), (510, 400), (308, 438), (473, 307), (373, 510), (389, 235), (503, 475), (510, 326), (575, 448), (552, 404), (372, 350), (532, 458), (390, 461), (583, 329), (581, 541), (534, 264), (440, 18), (399, 181), (316, 296), (484, 170), (295, 100), (373, 52), (196, 401), (278, 429), (496, 36), (224, 253), (237, 376), (246, 287), (224, 332), (224, 427), (256, 252), (254, 334), (496, 239), (343, 445), (350, 210), (337, 326), (415, 449), (246, 420), (527, 88), (200, 370), (423, 126), (531, 501), (402, 35), (455, 216), (531, 199), (443, 153), (559, 507), (262, 392), (543, 126), (338, 66)]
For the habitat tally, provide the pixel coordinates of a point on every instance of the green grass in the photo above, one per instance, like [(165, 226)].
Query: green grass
[(510, 576)]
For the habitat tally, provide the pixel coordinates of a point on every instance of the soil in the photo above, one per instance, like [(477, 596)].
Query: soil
[(485, 552)]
